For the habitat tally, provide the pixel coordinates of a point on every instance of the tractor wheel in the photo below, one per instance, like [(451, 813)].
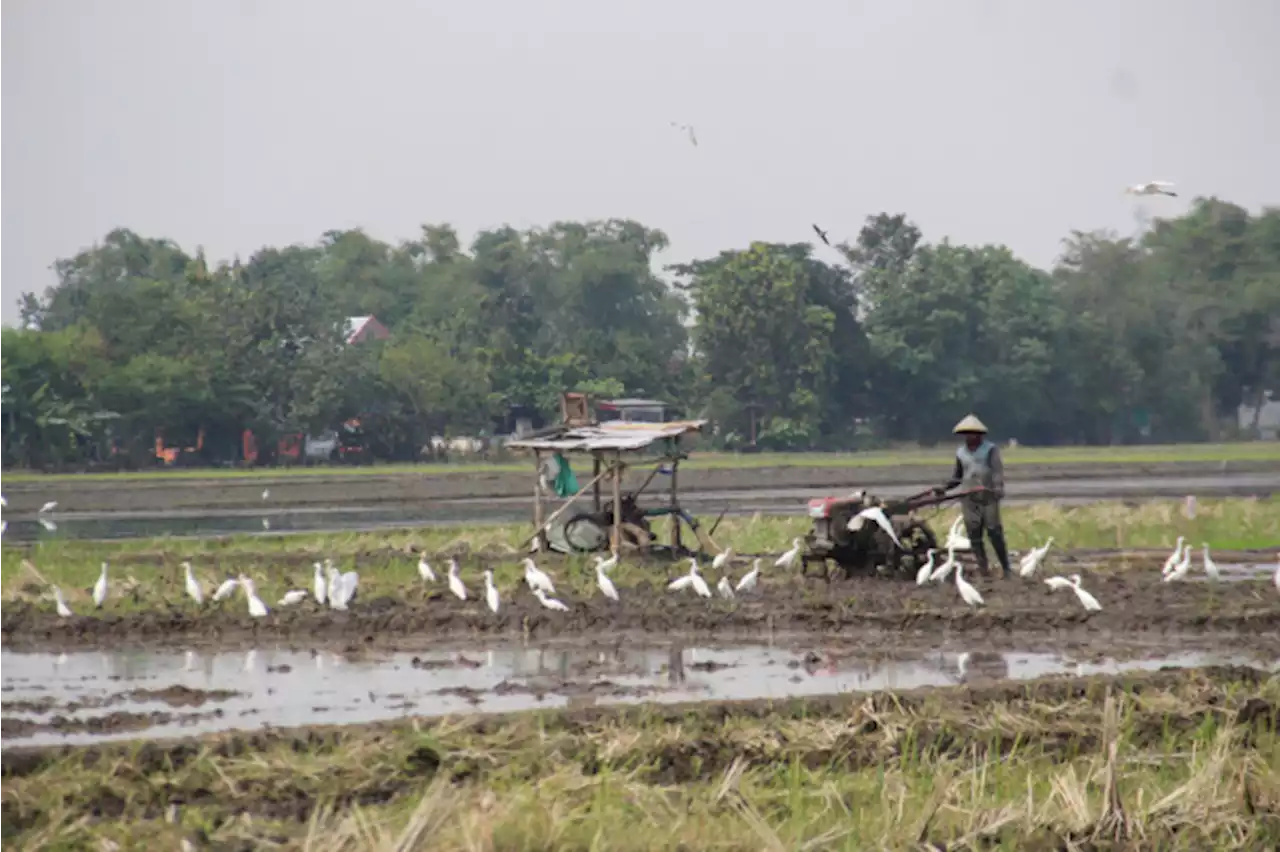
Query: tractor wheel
[(585, 534), (918, 540)]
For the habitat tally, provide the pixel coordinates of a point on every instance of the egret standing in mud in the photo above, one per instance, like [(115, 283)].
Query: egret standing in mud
[(60, 603), (1032, 560), (318, 589), (100, 587), (944, 570), (424, 570), (549, 603), (789, 558), (724, 587), (1088, 601), (693, 578), (1182, 568), (1210, 567), (967, 591), (922, 576), (455, 582), (257, 608), (224, 591), (490, 591), (722, 559), (1172, 561), (602, 580), (536, 578), (292, 597), (193, 585), (749, 580)]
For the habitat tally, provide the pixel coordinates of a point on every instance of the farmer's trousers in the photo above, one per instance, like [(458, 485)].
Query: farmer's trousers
[(983, 513)]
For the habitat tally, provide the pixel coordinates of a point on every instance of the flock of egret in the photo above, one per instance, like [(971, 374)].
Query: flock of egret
[(337, 590)]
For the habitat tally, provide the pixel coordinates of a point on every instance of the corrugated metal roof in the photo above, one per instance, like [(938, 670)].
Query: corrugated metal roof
[(609, 436)]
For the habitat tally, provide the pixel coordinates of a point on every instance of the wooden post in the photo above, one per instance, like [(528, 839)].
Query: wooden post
[(675, 502), (617, 501), (595, 471), (537, 500)]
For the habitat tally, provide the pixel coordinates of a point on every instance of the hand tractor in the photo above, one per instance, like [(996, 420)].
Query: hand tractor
[(868, 550)]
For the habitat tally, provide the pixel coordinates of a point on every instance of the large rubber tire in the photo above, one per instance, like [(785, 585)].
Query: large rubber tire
[(585, 534)]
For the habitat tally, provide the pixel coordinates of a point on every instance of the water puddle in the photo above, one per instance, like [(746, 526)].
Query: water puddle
[(95, 696)]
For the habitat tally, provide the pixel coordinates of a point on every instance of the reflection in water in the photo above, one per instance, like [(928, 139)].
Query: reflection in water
[(286, 688)]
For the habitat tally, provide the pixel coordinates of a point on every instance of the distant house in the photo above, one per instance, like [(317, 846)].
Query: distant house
[(633, 411), (360, 329)]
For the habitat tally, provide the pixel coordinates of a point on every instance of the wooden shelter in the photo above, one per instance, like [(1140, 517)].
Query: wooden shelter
[(613, 447)]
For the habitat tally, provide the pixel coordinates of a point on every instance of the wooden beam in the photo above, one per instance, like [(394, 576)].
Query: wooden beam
[(617, 501)]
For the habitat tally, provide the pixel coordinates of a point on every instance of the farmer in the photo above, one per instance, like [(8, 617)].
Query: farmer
[(978, 467)]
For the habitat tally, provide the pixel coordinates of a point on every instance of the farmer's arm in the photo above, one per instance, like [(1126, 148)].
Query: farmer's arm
[(997, 473)]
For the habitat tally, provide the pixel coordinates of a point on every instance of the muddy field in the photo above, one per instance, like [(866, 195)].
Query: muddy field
[(1153, 761), (1135, 603), (429, 488)]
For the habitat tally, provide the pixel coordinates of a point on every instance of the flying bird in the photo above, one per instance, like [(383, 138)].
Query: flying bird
[(688, 130), (1154, 187), (822, 235)]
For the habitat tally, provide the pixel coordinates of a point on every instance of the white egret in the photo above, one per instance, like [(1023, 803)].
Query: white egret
[(749, 580), (266, 525), (257, 608), (1034, 557), (51, 526), (789, 558), (722, 559), (1152, 187), (602, 580), (1172, 561), (1183, 567), (724, 587), (49, 507), (1210, 567), (536, 578), (693, 578), (455, 582), (100, 588), (490, 590), (293, 597), (266, 492), (549, 603), (193, 585), (1088, 601), (968, 592), (922, 576), (4, 525), (1055, 583), (60, 603), (1275, 579), (342, 587), (424, 570), (318, 586), (944, 570), (610, 563), (225, 590), (876, 513)]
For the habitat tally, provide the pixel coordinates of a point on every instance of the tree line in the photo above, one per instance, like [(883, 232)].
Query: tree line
[(1158, 337)]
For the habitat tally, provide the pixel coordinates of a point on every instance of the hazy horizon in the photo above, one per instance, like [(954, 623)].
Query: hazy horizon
[(252, 123)]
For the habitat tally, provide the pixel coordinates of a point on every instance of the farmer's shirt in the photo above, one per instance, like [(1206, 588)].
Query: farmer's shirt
[(981, 467)]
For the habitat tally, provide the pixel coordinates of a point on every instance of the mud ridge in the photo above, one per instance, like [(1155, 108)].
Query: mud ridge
[(1134, 605)]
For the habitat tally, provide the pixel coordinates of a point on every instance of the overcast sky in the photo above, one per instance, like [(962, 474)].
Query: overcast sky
[(248, 122)]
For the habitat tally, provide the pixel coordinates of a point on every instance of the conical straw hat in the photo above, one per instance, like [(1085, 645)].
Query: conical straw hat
[(970, 424)]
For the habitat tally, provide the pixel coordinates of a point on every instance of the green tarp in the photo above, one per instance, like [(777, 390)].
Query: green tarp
[(566, 484)]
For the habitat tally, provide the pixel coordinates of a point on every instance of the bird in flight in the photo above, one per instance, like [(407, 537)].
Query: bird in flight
[(1155, 187), (822, 235), (688, 129)]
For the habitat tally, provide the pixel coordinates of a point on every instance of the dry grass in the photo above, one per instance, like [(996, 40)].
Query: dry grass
[(1163, 761)]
